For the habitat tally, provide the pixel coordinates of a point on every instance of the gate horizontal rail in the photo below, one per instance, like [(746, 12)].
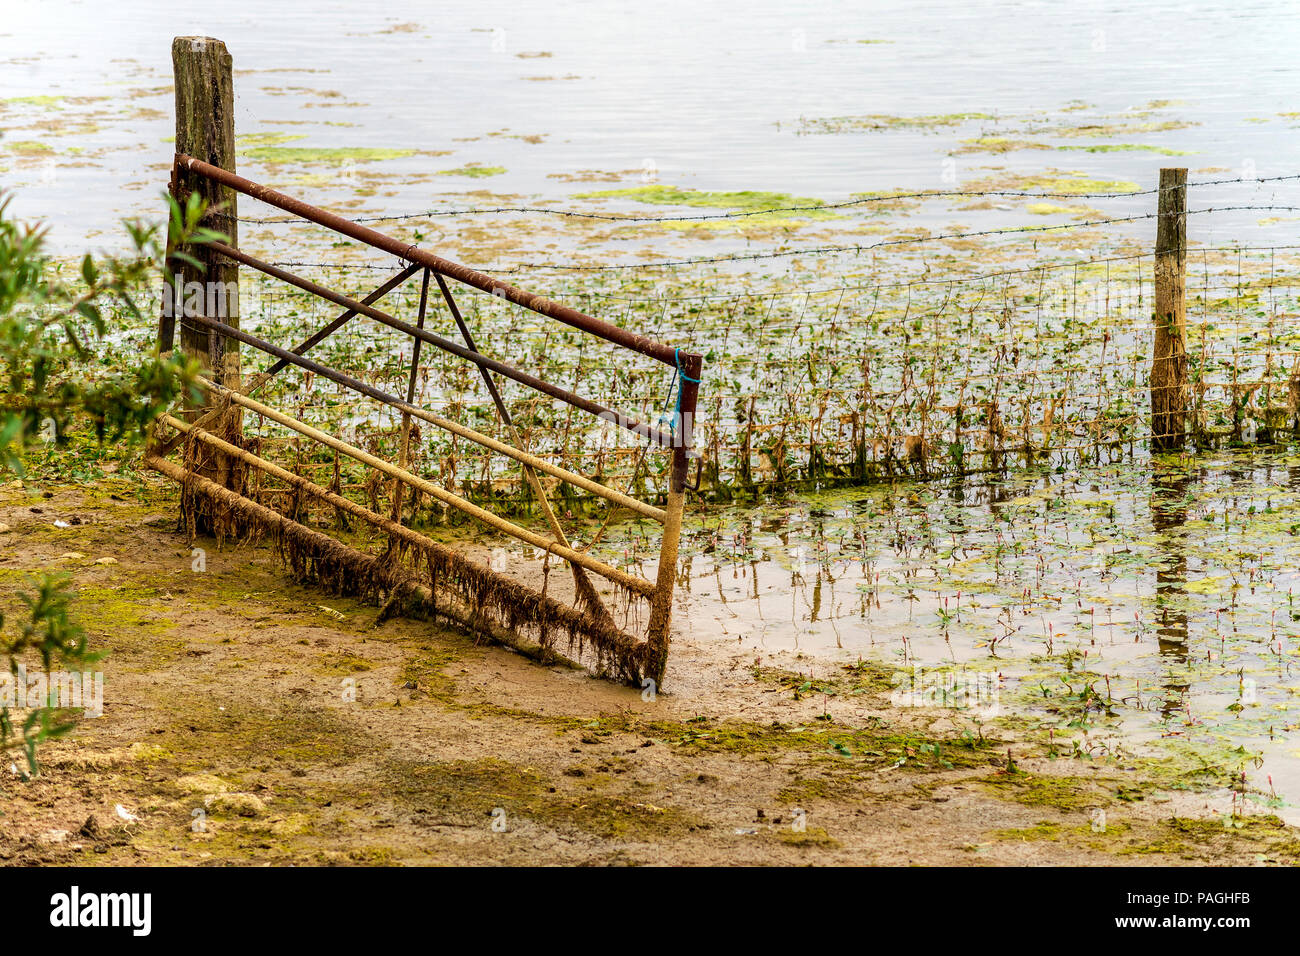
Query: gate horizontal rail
[(462, 431), (629, 581), (657, 435)]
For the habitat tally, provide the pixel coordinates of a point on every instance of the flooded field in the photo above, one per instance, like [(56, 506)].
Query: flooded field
[(924, 299), (1145, 608)]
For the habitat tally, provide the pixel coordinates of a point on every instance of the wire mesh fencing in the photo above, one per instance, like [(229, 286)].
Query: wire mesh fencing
[(930, 377)]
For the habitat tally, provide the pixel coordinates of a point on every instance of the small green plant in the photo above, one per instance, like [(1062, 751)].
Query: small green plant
[(48, 323), (49, 381), (47, 628)]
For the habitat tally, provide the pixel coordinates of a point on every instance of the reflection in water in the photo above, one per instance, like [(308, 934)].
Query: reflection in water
[(1168, 515)]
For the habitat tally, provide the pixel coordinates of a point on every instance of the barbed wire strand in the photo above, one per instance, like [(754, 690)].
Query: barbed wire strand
[(819, 207), (835, 250)]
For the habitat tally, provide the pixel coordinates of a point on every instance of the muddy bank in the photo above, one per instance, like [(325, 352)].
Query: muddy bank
[(247, 720)]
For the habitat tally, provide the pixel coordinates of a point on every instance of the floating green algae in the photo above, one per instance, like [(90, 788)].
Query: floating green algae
[(884, 121), (1130, 148), (1110, 130), (998, 144), (55, 102), (1052, 209), (1069, 184), (254, 140), (473, 170), (336, 156), (28, 146), (744, 200)]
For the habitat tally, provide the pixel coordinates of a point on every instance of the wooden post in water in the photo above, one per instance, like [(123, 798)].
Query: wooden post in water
[(205, 128), (1169, 389)]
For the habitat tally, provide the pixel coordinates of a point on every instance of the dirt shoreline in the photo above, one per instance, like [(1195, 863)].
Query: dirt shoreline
[(228, 738)]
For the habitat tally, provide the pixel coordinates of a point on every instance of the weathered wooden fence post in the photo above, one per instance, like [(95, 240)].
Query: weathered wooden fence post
[(1169, 388), (205, 129)]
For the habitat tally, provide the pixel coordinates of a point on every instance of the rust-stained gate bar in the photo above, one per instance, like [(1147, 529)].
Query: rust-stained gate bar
[(638, 659), (453, 270)]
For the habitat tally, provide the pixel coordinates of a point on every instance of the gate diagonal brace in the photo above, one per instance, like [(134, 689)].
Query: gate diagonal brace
[(255, 383)]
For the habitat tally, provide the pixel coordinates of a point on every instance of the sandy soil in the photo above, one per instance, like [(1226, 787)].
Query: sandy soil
[(229, 736)]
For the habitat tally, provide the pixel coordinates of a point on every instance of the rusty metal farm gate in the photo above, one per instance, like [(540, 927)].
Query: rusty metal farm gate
[(232, 486)]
